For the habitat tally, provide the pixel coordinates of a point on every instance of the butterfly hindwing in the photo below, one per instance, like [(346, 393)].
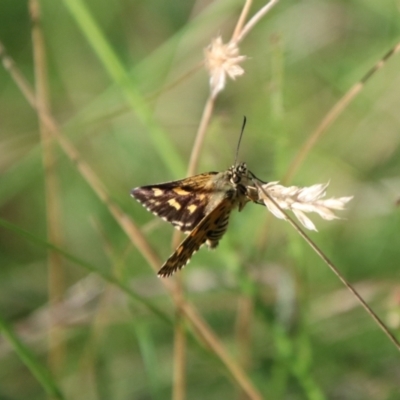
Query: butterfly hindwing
[(210, 229), (182, 203)]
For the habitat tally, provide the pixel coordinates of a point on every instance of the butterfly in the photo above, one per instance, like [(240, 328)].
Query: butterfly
[(199, 206)]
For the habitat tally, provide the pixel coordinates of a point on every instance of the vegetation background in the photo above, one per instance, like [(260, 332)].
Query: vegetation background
[(97, 316)]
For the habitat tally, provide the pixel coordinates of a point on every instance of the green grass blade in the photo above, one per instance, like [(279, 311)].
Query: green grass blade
[(41, 373), (148, 352), (76, 260), (120, 76)]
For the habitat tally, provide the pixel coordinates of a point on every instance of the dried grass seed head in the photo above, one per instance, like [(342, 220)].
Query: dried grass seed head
[(301, 200), (221, 60)]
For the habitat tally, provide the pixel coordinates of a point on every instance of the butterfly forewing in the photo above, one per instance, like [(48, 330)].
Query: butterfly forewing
[(211, 228), (183, 203)]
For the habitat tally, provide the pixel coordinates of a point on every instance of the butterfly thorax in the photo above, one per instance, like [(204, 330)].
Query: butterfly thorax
[(229, 188)]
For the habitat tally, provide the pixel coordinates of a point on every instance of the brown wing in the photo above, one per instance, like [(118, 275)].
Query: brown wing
[(182, 203), (211, 228)]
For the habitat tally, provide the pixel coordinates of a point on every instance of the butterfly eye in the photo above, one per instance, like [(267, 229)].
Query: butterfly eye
[(243, 168), (235, 178)]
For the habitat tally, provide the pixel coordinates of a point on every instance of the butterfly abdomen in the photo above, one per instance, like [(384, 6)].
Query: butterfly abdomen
[(214, 235)]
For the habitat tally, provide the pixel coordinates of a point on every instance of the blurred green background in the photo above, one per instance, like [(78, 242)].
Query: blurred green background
[(298, 333)]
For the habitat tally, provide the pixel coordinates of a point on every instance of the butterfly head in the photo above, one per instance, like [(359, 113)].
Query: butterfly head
[(239, 180), (238, 173), (243, 180)]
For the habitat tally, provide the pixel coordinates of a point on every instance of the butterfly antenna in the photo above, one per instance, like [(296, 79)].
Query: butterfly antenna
[(240, 138)]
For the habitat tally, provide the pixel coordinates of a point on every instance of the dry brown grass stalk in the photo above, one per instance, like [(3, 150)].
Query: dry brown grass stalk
[(56, 285), (334, 113), (264, 193), (326, 122), (207, 113)]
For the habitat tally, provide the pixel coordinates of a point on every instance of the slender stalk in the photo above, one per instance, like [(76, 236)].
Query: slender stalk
[(326, 122), (333, 268), (255, 19), (118, 73), (208, 109), (239, 25), (217, 348), (192, 168), (42, 375), (179, 384), (244, 316), (172, 85), (334, 113), (55, 267), (200, 135), (106, 276), (180, 338)]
